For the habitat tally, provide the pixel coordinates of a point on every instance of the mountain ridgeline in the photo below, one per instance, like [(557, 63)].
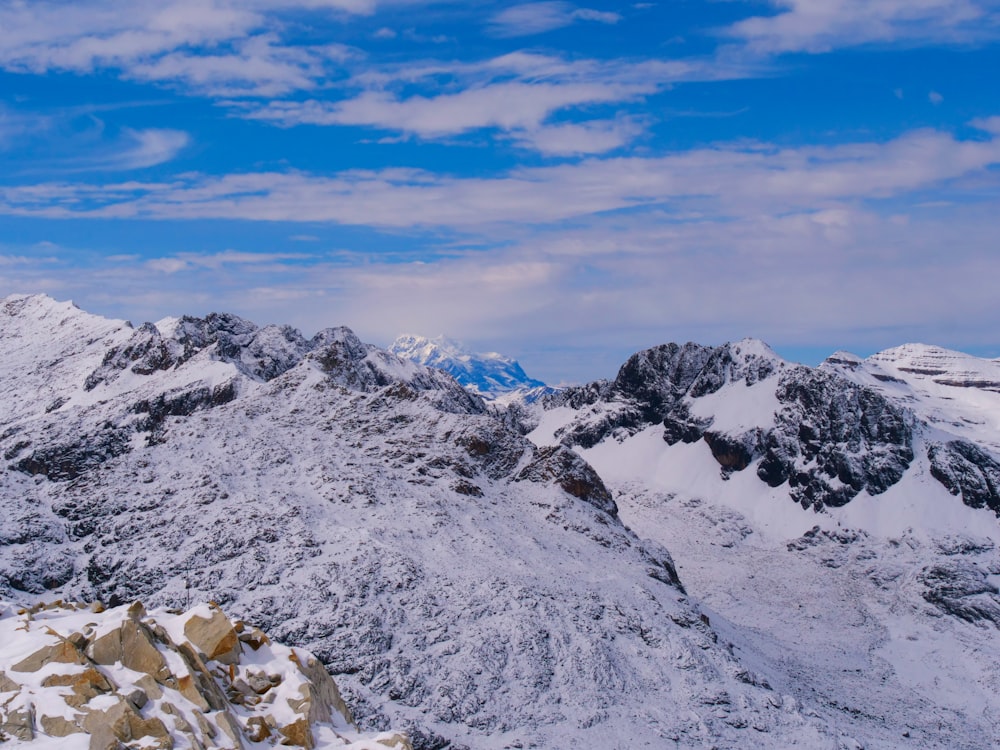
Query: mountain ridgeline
[(830, 436), (484, 576)]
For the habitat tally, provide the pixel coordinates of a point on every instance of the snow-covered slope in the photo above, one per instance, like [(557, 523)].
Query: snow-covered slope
[(491, 375), (461, 583), (956, 392), (838, 524)]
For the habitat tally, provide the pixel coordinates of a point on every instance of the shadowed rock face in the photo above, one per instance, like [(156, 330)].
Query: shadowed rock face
[(828, 439), (967, 470), (832, 439)]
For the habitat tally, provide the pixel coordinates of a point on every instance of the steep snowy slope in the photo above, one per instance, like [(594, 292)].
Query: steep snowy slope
[(491, 375), (459, 582), (843, 541)]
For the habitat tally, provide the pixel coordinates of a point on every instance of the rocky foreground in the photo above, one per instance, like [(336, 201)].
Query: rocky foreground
[(80, 676)]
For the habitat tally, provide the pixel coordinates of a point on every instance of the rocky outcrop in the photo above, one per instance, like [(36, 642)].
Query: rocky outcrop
[(961, 589), (967, 470), (571, 473), (826, 438), (832, 439), (129, 679)]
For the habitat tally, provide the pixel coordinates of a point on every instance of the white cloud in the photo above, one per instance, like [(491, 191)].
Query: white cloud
[(841, 276), (150, 147), (824, 25), (528, 19), (935, 98), (574, 139), (215, 261), (517, 93), (507, 106), (715, 182), (212, 45)]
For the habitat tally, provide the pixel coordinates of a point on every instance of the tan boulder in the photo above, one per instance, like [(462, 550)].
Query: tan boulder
[(253, 637), (395, 741), (200, 683), (58, 726), (298, 733), (139, 652), (20, 724), (149, 686), (108, 727), (122, 723), (107, 649), (85, 685), (7, 685), (257, 729), (62, 652), (230, 727), (215, 637), (207, 728), (322, 693)]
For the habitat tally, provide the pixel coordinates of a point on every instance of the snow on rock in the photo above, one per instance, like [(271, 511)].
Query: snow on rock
[(80, 676), (838, 524), (461, 583)]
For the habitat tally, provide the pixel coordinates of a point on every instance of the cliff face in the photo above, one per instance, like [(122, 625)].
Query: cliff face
[(74, 675)]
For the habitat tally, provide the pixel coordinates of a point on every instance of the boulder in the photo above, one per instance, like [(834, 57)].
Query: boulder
[(62, 652), (215, 637)]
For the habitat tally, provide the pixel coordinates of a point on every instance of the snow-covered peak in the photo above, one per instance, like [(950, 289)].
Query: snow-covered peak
[(489, 374), (943, 366)]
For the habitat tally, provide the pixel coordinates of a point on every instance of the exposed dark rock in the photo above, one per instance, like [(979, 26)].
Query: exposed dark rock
[(574, 475), (832, 439), (735, 453), (144, 353), (959, 588), (969, 471), (69, 461), (657, 378), (679, 425)]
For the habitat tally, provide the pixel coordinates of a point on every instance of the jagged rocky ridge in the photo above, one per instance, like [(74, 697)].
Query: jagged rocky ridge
[(827, 439), (875, 592), (461, 583)]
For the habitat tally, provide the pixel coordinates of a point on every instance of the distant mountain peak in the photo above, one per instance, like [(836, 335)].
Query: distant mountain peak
[(487, 373)]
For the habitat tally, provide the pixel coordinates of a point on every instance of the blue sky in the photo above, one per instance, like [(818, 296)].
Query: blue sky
[(564, 182)]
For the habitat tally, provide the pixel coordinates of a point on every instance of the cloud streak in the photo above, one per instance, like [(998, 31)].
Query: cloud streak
[(715, 183), (817, 26), (528, 19)]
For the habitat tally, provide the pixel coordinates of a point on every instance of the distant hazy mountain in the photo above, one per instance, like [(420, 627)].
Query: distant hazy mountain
[(488, 374)]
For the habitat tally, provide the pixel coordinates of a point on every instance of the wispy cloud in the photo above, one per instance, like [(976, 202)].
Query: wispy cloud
[(516, 94), (214, 261), (719, 182), (148, 148), (210, 45), (823, 25), (842, 274), (528, 19)]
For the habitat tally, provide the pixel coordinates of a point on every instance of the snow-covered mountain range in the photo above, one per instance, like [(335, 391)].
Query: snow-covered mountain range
[(490, 374), (489, 579)]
